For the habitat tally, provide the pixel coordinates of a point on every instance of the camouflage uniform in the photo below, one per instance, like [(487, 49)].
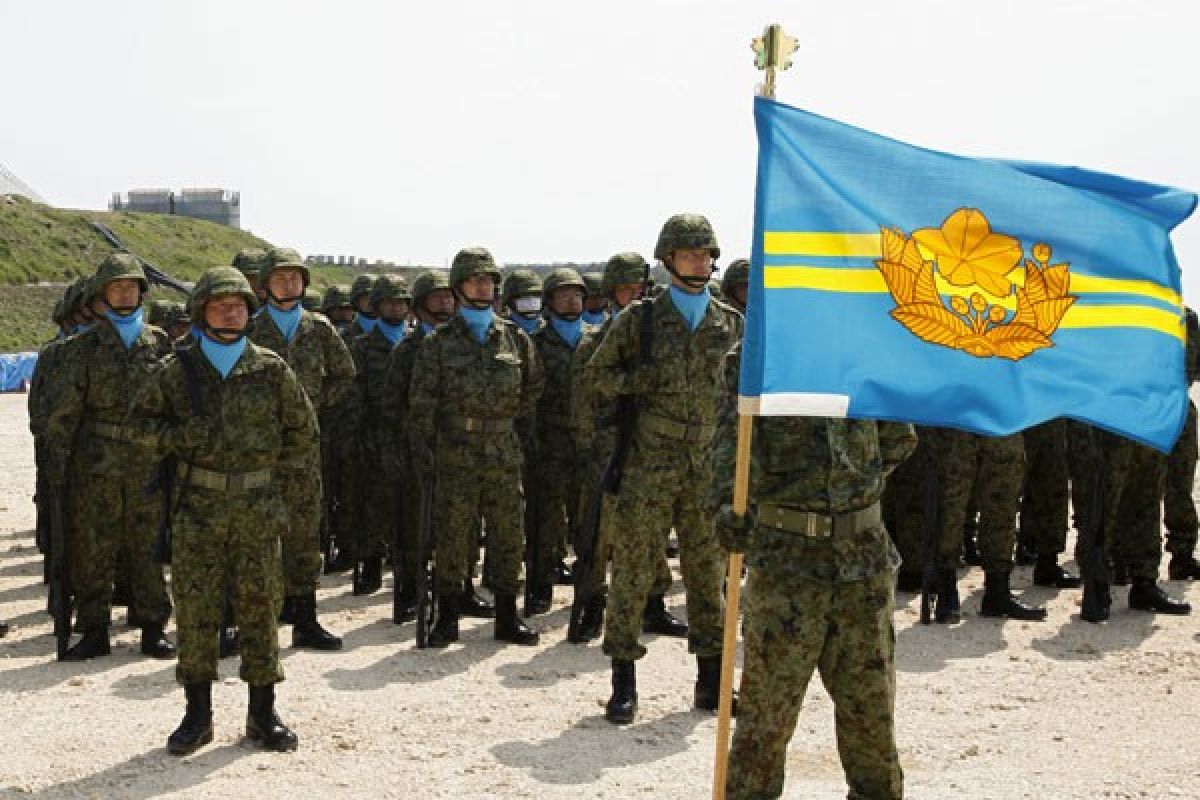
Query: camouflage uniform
[(468, 402), (904, 504), (820, 601), (1135, 477), (1044, 499), (325, 369), (1178, 505), (669, 464), (106, 477)]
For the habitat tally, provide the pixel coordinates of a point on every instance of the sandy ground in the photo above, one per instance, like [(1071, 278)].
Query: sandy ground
[(986, 709)]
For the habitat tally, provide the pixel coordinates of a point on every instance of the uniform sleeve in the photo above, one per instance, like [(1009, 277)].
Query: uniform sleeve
[(64, 414), (152, 419), (607, 369), (339, 368), (424, 391), (301, 442), (533, 375), (583, 399), (897, 440), (725, 440)]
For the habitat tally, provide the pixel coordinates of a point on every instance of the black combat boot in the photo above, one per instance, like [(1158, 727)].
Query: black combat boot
[(264, 725), (404, 607), (622, 706), (93, 644), (591, 623), (509, 626), (155, 643), (343, 561), (998, 600), (228, 642), (1183, 568), (1120, 573), (370, 577), (563, 574), (473, 605), (947, 610), (287, 612), (1096, 605), (1047, 572), (445, 627), (970, 550), (1146, 595), (656, 618), (3, 629), (306, 631), (907, 581), (708, 684), (539, 600), (196, 730)]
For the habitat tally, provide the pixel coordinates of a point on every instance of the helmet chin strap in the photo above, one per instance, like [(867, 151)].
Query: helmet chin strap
[(122, 311), (478, 305), (392, 320), (279, 301), (567, 317), (216, 333), (692, 281)]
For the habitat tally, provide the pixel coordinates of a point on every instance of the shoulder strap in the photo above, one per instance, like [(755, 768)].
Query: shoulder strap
[(191, 379), (646, 334)]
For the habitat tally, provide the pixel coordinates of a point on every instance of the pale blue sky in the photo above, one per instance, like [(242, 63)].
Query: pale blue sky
[(561, 130)]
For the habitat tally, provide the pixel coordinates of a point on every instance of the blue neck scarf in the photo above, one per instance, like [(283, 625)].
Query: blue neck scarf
[(595, 317), (367, 323), (222, 356), (691, 306), (569, 330), (427, 328), (286, 321), (527, 324), (394, 333), (479, 320), (127, 327), (196, 331), (82, 327)]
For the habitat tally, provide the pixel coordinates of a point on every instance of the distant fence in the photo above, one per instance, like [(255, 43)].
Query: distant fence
[(16, 371)]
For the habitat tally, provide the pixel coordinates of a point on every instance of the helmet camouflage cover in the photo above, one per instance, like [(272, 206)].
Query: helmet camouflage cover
[(429, 282), (335, 297), (251, 260), (594, 281), (560, 277), (362, 286), (520, 283), (284, 258), (389, 287), (686, 231), (737, 272), (217, 281), (311, 300), (118, 266), (473, 261), (624, 269)]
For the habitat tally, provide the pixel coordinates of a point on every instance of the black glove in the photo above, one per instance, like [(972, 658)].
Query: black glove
[(734, 529)]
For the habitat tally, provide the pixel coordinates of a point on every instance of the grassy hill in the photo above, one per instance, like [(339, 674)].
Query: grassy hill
[(44, 248)]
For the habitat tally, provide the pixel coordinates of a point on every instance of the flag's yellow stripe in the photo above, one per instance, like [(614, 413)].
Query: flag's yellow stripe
[(816, 243), (829, 280), (1090, 284), (1155, 319)]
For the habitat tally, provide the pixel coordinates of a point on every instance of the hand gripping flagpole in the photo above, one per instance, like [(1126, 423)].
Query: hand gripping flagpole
[(772, 52)]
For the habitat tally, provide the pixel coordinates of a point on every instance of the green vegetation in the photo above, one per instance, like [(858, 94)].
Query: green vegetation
[(25, 316)]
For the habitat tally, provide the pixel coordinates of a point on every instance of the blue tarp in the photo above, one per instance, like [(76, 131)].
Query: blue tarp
[(16, 371)]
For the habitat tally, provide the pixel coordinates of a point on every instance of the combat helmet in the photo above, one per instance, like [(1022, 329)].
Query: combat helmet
[(625, 269), (473, 261), (217, 281), (735, 275), (389, 287), (284, 258), (594, 280), (686, 232), (335, 297), (361, 288), (115, 267), (427, 283), (522, 282), (251, 260), (560, 277)]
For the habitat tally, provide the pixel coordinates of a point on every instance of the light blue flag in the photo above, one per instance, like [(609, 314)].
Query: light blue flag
[(893, 282)]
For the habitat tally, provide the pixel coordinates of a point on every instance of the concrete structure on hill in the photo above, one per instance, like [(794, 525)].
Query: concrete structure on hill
[(222, 206), (11, 184)]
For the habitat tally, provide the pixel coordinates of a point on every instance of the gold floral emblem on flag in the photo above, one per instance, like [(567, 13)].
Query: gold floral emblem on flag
[(989, 314)]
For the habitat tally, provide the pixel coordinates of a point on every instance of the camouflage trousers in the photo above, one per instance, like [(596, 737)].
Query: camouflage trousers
[(301, 537), (1044, 497), (379, 512), (462, 494), (904, 502), (652, 498), (115, 521), (792, 626), (338, 482), (603, 548), (1179, 509), (990, 470), (556, 485), (1134, 479), (1084, 465), (228, 541)]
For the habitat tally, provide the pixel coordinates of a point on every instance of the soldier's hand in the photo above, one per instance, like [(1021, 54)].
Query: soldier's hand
[(733, 529)]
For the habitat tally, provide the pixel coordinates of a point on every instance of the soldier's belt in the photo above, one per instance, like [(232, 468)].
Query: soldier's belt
[(817, 526), (228, 481), (692, 434), (477, 424), (109, 431)]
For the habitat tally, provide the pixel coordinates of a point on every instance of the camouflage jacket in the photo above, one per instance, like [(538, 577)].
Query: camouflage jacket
[(372, 354), (824, 465), (393, 410), (1192, 350), (95, 380), (316, 354), (677, 390), (555, 425), (260, 416), (41, 389), (454, 377)]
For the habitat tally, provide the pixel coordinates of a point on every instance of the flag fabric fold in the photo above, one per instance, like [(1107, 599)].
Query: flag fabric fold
[(894, 282)]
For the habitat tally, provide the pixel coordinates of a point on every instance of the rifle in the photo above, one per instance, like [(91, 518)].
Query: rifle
[(931, 523), (331, 479), (624, 418), (426, 603), (60, 576)]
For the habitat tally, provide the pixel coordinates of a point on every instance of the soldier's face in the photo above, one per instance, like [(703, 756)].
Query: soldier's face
[(626, 293), (739, 292), (227, 312), (362, 304), (479, 287), (122, 294), (287, 285), (438, 306), (342, 314), (596, 302), (566, 301), (393, 311), (691, 262)]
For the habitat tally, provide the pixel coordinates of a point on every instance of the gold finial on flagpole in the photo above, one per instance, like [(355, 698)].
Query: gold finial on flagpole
[(772, 51)]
